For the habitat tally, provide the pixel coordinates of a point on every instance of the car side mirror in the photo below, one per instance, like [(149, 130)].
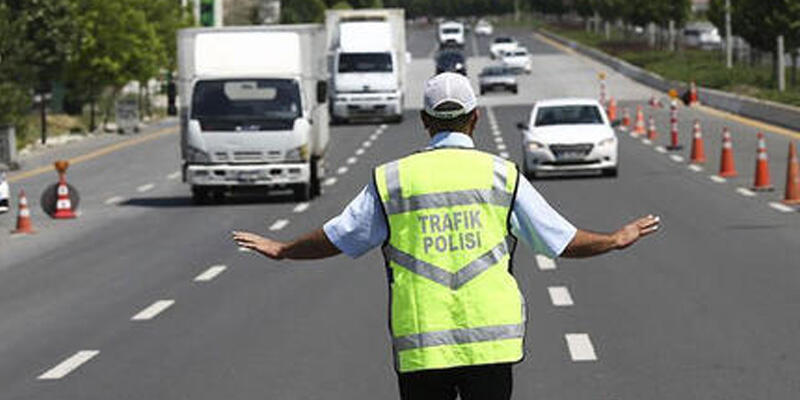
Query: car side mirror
[(522, 126), (322, 92)]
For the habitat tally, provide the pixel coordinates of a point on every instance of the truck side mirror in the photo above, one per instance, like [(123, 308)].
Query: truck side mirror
[(522, 126), (322, 92)]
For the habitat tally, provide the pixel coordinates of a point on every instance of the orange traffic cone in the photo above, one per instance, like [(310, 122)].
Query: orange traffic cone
[(626, 120), (792, 192), (652, 133), (639, 129), (24, 225), (693, 99), (63, 203), (727, 167), (762, 180), (698, 149), (612, 109)]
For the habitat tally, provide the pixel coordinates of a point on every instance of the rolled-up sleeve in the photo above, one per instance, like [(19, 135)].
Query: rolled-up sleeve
[(537, 224), (361, 226)]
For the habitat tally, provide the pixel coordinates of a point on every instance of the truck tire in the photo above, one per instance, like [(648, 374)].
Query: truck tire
[(397, 119), (200, 195), (316, 189), (302, 192)]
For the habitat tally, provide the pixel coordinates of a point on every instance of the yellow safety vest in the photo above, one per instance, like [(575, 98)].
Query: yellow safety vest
[(454, 301)]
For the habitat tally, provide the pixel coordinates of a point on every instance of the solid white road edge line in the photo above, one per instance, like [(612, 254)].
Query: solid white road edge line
[(210, 273), (560, 296), (114, 200), (300, 208), (154, 309), (745, 192), (717, 178), (580, 347), (781, 207), (145, 187), (70, 364), (279, 224), (545, 263)]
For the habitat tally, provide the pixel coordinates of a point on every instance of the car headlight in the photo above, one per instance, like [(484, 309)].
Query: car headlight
[(535, 146), (607, 142), (195, 155), (297, 154)]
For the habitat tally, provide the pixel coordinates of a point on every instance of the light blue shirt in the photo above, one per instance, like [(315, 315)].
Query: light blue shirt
[(362, 225)]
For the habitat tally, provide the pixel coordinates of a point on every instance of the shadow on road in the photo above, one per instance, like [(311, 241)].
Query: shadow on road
[(186, 201)]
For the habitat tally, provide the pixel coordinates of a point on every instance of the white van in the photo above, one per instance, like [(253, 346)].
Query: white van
[(451, 33)]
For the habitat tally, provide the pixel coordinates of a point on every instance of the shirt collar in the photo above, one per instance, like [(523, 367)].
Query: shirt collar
[(451, 139)]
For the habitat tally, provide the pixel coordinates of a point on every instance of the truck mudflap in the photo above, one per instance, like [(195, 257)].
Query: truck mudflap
[(248, 175)]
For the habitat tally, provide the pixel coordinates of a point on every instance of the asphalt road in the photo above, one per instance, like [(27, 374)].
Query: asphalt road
[(707, 308)]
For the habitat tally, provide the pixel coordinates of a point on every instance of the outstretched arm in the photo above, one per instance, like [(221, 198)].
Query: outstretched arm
[(311, 246), (587, 244)]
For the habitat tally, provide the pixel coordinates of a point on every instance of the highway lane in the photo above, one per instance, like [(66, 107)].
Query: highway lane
[(704, 309)]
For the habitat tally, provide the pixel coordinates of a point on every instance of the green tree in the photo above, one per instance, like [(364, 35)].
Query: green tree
[(301, 11)]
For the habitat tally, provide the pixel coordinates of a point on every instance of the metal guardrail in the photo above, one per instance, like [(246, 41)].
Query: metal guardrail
[(767, 111)]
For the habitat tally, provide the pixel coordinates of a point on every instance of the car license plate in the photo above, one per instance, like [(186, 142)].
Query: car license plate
[(248, 176), (570, 155)]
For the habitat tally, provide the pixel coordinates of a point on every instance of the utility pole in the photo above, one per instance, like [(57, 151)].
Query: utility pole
[(516, 10), (728, 37), (781, 61)]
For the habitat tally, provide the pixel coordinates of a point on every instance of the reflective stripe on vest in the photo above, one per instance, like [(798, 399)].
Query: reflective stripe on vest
[(459, 336)]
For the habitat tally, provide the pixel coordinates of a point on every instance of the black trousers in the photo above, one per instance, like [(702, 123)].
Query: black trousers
[(482, 382)]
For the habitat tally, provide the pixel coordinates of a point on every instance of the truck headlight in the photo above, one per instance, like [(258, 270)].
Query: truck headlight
[(298, 154), (606, 142), (195, 155), (533, 146)]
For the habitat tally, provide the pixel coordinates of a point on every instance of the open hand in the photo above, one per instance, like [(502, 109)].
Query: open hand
[(632, 232), (267, 247)]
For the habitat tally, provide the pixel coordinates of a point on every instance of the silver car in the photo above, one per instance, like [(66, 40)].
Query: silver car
[(497, 77)]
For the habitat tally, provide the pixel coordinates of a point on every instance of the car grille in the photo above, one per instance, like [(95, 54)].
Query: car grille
[(571, 152)]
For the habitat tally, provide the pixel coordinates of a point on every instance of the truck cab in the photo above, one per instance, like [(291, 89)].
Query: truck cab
[(451, 33)]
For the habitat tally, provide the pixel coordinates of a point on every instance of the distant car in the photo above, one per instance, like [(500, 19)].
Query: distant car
[(518, 60), (451, 33), (483, 28), (568, 135), (4, 193), (497, 77), (500, 45), (704, 37), (451, 61)]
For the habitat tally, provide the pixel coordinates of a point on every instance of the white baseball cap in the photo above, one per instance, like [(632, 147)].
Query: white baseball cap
[(448, 95)]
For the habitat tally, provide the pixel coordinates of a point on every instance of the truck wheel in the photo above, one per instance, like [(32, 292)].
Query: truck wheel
[(610, 172), (302, 192), (200, 195), (314, 181), (397, 119)]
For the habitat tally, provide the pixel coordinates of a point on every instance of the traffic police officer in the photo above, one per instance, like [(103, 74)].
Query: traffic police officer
[(448, 218)]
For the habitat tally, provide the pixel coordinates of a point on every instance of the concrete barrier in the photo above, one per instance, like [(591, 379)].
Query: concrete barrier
[(774, 113)]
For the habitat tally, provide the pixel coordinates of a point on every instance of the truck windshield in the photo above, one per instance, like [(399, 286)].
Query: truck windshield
[(365, 62), (451, 30), (246, 104), (568, 115)]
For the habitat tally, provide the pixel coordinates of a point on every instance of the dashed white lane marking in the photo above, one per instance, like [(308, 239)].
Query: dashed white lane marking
[(498, 139), (300, 208), (359, 151), (647, 141), (373, 137), (545, 263), (695, 168), (114, 200), (70, 364), (366, 144), (496, 132), (145, 187), (501, 146), (279, 224), (745, 192), (329, 182), (560, 296), (352, 160), (661, 149), (210, 273), (383, 126), (504, 154), (717, 178), (245, 250), (580, 347), (153, 310), (781, 207), (174, 175), (341, 170), (676, 158)]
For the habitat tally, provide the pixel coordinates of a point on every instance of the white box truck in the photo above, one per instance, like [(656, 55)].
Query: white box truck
[(367, 60), (252, 108)]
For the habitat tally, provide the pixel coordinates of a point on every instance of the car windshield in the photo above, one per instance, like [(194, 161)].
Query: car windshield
[(503, 40), (451, 30), (568, 115), (250, 104), (365, 62), (517, 53), (494, 71)]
